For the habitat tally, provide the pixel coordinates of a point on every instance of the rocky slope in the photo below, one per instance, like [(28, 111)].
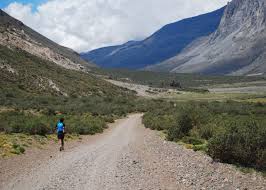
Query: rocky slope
[(25, 77), (237, 47), (37, 74), (14, 34), (163, 44)]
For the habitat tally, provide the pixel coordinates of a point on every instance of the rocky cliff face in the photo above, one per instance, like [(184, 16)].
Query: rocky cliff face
[(14, 34), (237, 47), (242, 15)]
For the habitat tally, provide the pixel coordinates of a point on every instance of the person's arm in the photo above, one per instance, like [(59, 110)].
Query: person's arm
[(64, 127)]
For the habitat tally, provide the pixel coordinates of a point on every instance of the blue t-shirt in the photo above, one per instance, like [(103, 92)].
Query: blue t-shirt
[(60, 127)]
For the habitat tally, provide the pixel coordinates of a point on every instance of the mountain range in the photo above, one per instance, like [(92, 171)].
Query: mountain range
[(229, 41), (163, 44), (237, 47)]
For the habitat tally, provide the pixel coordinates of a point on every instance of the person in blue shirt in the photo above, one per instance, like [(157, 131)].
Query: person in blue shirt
[(60, 128)]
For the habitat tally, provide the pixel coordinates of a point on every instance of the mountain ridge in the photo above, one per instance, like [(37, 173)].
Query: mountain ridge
[(237, 47), (163, 44), (14, 34)]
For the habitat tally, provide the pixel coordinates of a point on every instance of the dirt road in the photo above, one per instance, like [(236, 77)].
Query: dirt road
[(130, 157)]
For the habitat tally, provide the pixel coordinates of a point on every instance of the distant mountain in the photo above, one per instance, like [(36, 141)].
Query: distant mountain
[(164, 44), (237, 47), (14, 34)]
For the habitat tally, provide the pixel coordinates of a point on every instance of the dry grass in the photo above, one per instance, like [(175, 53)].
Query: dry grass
[(15, 144)]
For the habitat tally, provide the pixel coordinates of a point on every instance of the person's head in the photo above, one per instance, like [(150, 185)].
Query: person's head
[(62, 120)]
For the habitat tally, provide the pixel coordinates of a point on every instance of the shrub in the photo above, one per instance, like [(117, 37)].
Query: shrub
[(37, 128), (160, 122), (261, 159), (192, 140), (17, 149), (207, 131), (181, 129), (243, 144), (85, 124), (109, 119), (227, 127), (201, 147), (19, 122)]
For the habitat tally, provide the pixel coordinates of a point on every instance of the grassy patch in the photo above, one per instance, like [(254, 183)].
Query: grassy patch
[(192, 96), (13, 144), (166, 80), (16, 144)]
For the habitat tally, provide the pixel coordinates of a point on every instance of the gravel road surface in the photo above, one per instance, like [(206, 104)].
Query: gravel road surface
[(130, 157)]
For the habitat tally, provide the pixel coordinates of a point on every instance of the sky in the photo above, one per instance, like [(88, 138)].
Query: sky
[(84, 25), (34, 3)]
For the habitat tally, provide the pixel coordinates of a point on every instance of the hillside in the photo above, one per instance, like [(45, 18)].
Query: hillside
[(26, 78), (163, 44), (41, 82), (33, 66), (237, 47), (14, 34)]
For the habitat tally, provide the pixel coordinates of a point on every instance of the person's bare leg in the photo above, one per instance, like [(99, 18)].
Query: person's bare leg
[(62, 143)]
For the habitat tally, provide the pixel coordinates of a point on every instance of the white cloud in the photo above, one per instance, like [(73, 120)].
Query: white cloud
[(87, 24)]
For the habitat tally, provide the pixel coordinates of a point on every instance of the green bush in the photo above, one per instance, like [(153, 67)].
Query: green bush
[(19, 122), (34, 124), (109, 118), (38, 128), (261, 159), (17, 149), (243, 144), (181, 129), (161, 122), (226, 126), (192, 140), (201, 147), (208, 130), (85, 125)]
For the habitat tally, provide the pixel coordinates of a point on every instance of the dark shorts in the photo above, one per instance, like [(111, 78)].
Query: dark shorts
[(60, 135)]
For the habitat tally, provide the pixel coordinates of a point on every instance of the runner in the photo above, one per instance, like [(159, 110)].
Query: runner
[(60, 127)]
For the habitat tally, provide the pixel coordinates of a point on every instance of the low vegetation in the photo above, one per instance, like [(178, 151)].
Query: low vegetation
[(172, 80), (28, 123), (17, 143), (229, 131), (35, 94)]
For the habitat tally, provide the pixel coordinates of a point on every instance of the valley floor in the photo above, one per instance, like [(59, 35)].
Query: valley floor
[(253, 91), (126, 156)]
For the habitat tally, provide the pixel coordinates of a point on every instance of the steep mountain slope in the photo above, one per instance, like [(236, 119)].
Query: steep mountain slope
[(26, 75), (14, 34), (36, 71), (36, 85), (237, 47), (163, 44)]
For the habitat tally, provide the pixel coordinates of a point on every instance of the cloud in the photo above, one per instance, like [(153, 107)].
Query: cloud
[(84, 25)]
